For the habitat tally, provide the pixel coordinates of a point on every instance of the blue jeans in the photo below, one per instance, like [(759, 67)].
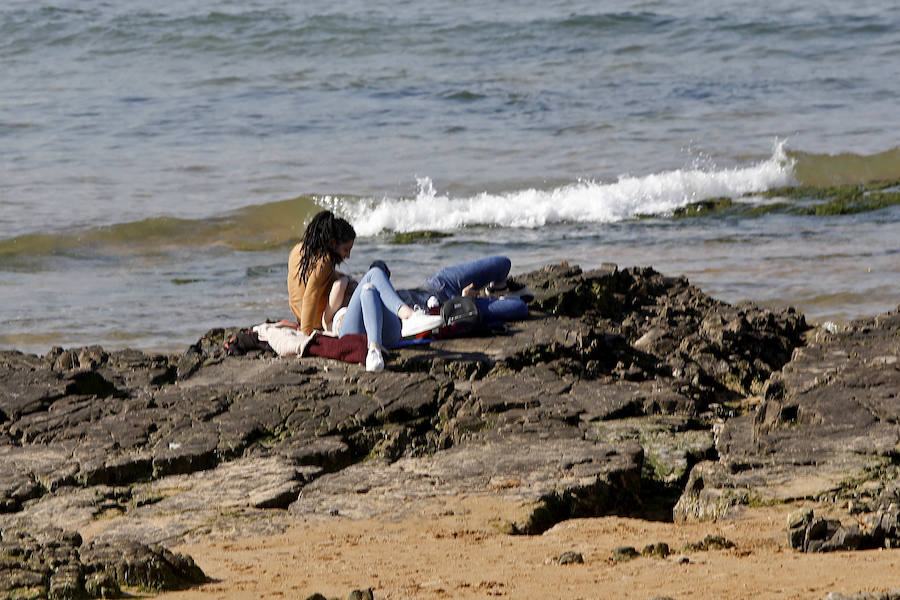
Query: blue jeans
[(501, 310), (373, 310), (450, 281)]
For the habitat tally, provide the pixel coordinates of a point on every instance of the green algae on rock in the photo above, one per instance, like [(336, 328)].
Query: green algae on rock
[(419, 237), (704, 207), (838, 200)]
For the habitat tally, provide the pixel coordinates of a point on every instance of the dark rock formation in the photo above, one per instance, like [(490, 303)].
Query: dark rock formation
[(825, 428), (621, 389), (808, 533), (52, 563)]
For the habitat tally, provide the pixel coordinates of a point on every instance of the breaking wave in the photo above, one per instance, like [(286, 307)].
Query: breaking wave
[(281, 223), (581, 202)]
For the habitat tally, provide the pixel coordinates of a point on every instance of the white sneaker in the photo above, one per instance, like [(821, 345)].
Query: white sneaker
[(420, 322), (511, 289), (374, 360)]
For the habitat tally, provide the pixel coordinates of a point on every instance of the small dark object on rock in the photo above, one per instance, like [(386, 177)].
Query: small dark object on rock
[(683, 560), (624, 553), (316, 597), (361, 595), (570, 558)]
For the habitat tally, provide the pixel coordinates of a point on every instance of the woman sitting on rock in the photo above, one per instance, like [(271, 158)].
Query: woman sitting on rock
[(318, 292)]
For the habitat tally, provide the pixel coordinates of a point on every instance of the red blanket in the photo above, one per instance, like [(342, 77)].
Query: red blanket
[(350, 348)]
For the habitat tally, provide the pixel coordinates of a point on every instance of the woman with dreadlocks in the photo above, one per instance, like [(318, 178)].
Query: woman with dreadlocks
[(317, 291), (314, 283)]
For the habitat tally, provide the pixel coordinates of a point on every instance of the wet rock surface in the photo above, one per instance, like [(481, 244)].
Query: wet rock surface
[(624, 391)]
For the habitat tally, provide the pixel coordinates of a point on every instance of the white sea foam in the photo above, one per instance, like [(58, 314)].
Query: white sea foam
[(583, 201)]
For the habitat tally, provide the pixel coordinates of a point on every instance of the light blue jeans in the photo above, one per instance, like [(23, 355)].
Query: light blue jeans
[(373, 310)]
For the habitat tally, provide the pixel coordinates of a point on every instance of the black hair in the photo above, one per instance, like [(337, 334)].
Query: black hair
[(323, 230)]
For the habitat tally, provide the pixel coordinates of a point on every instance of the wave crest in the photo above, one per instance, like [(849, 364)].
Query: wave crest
[(581, 202)]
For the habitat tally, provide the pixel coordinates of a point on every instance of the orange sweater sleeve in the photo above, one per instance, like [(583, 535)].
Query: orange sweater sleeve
[(315, 297), (308, 299)]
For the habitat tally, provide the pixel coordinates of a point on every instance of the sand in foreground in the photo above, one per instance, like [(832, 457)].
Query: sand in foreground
[(454, 549)]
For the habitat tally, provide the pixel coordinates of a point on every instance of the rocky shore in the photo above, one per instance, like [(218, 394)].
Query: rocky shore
[(626, 393)]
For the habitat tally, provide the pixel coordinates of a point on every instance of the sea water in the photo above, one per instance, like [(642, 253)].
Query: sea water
[(157, 161)]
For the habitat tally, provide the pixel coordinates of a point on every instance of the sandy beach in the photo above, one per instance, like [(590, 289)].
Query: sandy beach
[(453, 549)]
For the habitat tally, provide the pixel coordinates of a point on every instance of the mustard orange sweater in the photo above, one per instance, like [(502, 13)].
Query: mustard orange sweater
[(308, 300)]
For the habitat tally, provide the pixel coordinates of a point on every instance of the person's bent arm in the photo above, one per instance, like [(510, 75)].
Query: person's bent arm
[(336, 299)]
